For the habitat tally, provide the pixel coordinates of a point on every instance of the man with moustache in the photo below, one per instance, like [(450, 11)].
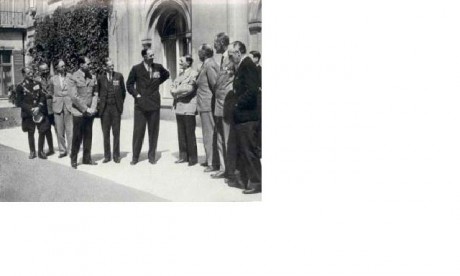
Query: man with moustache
[(84, 103), (62, 107), (112, 93), (143, 84)]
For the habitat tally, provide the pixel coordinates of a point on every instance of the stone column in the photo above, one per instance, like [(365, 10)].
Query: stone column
[(237, 11)]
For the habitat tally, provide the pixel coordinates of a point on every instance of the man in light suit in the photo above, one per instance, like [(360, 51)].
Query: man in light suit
[(143, 83), (247, 115), (184, 92), (112, 93), (206, 82), (62, 107), (84, 103)]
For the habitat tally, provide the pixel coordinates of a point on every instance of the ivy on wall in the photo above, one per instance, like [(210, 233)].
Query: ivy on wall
[(70, 32)]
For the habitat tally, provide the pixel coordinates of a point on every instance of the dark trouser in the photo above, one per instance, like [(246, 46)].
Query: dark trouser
[(186, 125), (247, 146), (152, 120), (231, 149), (82, 131), (48, 134), (111, 118), (41, 140)]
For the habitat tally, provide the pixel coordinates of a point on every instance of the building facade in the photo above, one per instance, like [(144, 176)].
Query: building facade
[(175, 28)]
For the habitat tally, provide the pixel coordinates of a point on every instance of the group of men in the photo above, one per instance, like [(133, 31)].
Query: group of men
[(227, 97)]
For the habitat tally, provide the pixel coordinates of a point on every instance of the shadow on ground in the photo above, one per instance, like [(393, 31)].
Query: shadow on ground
[(22, 179)]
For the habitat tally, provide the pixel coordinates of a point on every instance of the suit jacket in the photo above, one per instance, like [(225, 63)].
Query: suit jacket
[(117, 84), (45, 84), (224, 84), (82, 93), (206, 82), (61, 95), (185, 103), (140, 83), (30, 95), (246, 86)]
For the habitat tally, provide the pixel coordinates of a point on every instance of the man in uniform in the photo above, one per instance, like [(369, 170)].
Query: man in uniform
[(143, 83), (32, 101), (44, 79), (84, 102), (112, 93), (62, 107)]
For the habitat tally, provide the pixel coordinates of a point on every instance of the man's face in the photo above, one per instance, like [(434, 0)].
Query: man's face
[(183, 64), (148, 58), (234, 54), (256, 60), (109, 67), (218, 46), (28, 74), (86, 66), (60, 68), (44, 72), (201, 55)]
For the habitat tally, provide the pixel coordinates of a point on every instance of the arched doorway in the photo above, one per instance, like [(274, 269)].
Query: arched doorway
[(169, 28)]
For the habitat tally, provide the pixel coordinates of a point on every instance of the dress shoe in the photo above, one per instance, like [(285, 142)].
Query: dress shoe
[(116, 159), (134, 162), (180, 161), (42, 155), (106, 160), (89, 162), (205, 164), (50, 152), (62, 155), (218, 175), (74, 165), (210, 169), (153, 162), (252, 191), (190, 164), (32, 155)]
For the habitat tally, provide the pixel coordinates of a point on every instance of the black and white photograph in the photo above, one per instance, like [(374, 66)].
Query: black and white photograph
[(123, 100)]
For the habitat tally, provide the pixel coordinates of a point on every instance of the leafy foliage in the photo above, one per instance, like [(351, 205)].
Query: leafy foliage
[(71, 32)]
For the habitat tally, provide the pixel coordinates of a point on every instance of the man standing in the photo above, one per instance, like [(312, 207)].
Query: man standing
[(62, 107), (143, 83), (32, 101), (255, 56), (44, 79), (84, 100), (206, 82), (247, 115), (112, 93), (225, 143)]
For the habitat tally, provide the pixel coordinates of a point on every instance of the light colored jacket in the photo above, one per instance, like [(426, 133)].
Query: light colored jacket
[(224, 83), (185, 97), (82, 93), (61, 94), (206, 82)]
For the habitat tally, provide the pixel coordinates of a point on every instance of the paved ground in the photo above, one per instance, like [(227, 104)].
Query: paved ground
[(110, 182)]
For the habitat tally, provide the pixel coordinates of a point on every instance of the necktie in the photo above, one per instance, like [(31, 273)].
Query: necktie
[(222, 63)]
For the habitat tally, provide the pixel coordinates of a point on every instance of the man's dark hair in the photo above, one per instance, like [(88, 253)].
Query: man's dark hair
[(223, 38), (207, 49), (144, 52), (256, 54), (189, 59), (240, 46), (81, 60)]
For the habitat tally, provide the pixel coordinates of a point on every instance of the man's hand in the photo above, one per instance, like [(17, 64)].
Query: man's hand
[(35, 110)]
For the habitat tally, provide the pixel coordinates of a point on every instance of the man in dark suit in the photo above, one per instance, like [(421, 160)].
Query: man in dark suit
[(32, 101), (247, 115), (44, 78), (143, 83), (255, 56), (112, 93), (84, 104)]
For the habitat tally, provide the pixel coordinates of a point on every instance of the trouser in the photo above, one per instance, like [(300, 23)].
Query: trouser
[(41, 140), (231, 153), (64, 129), (111, 119), (186, 125), (82, 132), (209, 138), (222, 140), (247, 147), (48, 134), (152, 120)]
